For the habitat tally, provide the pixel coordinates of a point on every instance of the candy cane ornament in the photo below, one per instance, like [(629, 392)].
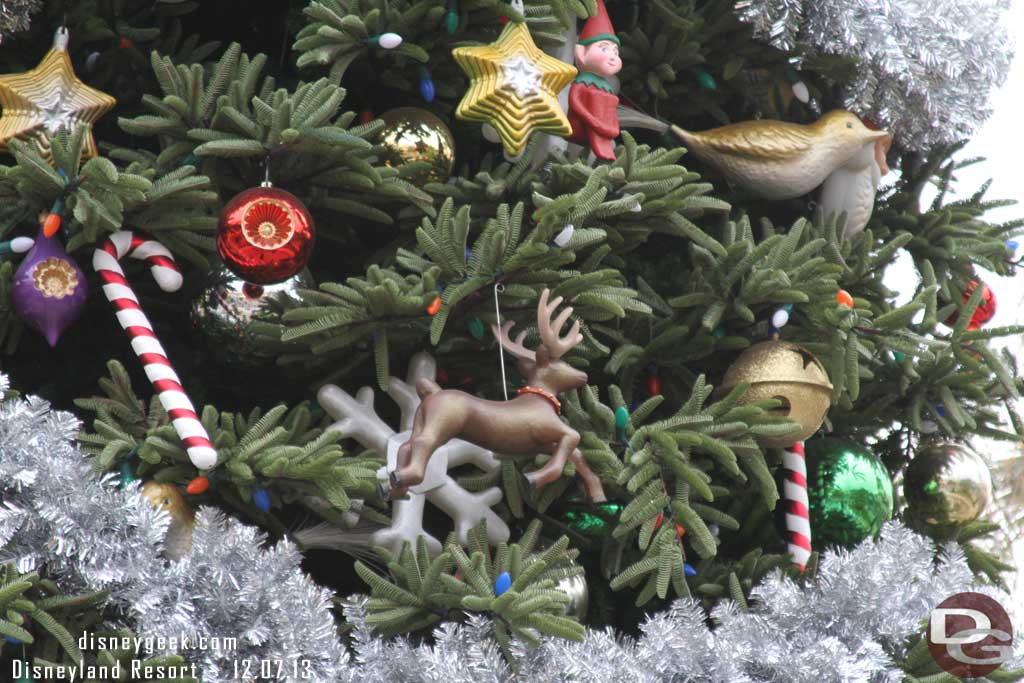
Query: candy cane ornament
[(106, 261), (794, 492)]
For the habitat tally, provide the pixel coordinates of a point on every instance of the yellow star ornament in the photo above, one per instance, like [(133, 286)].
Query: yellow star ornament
[(514, 87), (38, 103)]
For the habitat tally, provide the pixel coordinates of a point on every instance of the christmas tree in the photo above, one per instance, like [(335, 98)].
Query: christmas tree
[(355, 340)]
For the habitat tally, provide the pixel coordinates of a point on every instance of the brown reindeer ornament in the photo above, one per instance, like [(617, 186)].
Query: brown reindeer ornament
[(527, 424)]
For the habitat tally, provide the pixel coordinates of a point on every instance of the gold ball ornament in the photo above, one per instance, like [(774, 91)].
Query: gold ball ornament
[(413, 135), (787, 372), (38, 103), (514, 87), (947, 484), (167, 497)]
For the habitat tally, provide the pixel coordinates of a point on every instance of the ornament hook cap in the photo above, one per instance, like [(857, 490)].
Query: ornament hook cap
[(60, 38)]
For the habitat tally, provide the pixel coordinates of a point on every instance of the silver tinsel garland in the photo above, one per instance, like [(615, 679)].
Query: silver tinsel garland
[(844, 629), (926, 68), (15, 16), (91, 535)]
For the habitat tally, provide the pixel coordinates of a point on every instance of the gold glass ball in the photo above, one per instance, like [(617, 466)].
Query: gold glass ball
[(412, 134), (789, 373), (947, 484)]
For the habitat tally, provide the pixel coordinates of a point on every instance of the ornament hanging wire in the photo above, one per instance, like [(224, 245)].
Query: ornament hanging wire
[(498, 288), (266, 172)]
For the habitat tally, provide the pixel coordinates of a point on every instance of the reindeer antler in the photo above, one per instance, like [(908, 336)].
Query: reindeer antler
[(556, 346), (516, 347)]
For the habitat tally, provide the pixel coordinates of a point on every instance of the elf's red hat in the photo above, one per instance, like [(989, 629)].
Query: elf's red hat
[(598, 27)]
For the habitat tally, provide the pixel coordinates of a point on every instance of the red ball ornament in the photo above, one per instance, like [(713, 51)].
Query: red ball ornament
[(265, 235), (654, 385), (985, 310)]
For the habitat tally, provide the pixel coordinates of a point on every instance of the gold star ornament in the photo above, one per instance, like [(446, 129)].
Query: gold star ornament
[(514, 87), (38, 103)]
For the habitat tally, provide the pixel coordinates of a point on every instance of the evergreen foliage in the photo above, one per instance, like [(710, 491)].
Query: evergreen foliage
[(424, 590), (671, 272)]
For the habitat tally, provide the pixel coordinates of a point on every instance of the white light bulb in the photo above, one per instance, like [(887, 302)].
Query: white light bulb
[(801, 92), (389, 41), (562, 238)]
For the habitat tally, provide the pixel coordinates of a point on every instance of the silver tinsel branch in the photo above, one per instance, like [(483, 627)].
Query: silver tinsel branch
[(926, 68), (15, 16), (92, 535), (847, 628)]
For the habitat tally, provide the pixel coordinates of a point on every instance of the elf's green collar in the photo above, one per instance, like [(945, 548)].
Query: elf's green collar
[(587, 78)]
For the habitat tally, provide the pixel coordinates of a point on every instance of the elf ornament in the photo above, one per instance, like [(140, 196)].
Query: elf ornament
[(514, 86), (49, 288), (265, 235), (38, 103), (592, 99), (772, 159)]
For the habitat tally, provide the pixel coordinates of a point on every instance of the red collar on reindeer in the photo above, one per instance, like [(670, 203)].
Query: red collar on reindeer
[(551, 398)]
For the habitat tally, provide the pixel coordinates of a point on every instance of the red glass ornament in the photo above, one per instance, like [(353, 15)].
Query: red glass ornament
[(843, 298), (197, 486), (265, 235), (985, 310)]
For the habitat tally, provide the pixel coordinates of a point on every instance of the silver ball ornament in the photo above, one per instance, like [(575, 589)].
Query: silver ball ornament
[(227, 308), (576, 588)]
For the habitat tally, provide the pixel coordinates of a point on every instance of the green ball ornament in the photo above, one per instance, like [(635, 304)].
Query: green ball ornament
[(947, 484), (850, 492)]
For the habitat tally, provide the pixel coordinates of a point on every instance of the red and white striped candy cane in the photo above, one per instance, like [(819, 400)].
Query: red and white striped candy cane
[(798, 524), (106, 260)]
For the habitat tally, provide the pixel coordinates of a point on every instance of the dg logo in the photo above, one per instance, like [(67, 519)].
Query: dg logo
[(970, 635)]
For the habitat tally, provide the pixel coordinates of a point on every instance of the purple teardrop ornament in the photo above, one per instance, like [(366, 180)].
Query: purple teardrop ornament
[(49, 288)]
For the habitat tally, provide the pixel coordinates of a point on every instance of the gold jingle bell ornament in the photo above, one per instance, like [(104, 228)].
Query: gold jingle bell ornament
[(787, 372), (411, 135), (514, 87), (38, 103)]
